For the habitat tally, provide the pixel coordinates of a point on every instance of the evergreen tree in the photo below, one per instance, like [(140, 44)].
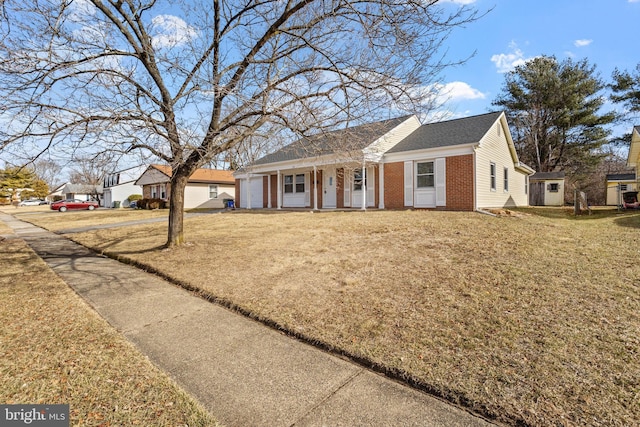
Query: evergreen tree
[(626, 89), (554, 111), (22, 182)]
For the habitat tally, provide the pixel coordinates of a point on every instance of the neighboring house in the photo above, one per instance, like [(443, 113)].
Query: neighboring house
[(462, 164), (81, 191), (206, 188), (617, 185), (118, 186), (56, 194), (546, 189)]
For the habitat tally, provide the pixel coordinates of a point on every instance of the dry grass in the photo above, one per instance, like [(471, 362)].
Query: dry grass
[(57, 221), (528, 319), (54, 349)]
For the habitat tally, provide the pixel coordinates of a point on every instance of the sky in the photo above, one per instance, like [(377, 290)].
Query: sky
[(513, 31)]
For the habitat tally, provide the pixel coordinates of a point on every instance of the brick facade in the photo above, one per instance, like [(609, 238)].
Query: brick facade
[(460, 182), (394, 185)]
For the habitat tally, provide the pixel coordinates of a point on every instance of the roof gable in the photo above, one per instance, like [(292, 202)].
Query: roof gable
[(339, 141)]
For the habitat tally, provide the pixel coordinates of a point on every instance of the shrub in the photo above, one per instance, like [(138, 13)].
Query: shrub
[(134, 197), (151, 204)]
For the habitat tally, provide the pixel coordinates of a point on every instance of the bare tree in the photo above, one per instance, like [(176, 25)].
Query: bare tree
[(186, 81)]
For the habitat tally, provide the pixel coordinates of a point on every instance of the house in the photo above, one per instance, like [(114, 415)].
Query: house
[(119, 185), (461, 164), (206, 188), (81, 191), (546, 189), (56, 194)]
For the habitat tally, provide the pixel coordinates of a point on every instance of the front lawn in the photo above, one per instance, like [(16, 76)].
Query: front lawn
[(54, 349), (526, 319)]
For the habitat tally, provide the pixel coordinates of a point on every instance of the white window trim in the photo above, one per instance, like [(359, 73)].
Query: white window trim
[(216, 191), (505, 180), (432, 174), (492, 176), (294, 184)]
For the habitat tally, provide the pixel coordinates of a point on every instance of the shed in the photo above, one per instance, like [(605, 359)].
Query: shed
[(618, 183), (546, 189)]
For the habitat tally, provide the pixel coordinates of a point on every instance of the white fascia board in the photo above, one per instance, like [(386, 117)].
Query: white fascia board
[(429, 153)]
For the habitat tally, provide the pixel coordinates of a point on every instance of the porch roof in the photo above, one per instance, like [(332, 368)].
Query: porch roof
[(339, 141)]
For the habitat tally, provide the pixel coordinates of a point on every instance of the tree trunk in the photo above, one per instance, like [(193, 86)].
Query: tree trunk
[(176, 211)]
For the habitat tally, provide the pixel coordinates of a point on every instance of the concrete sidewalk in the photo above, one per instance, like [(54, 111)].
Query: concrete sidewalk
[(245, 373)]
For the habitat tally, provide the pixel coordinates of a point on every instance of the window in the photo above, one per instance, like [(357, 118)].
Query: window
[(163, 195), (213, 191), (492, 174), (357, 180), (553, 188), (288, 183), (300, 183), (425, 177), (154, 192), (506, 179), (623, 187)]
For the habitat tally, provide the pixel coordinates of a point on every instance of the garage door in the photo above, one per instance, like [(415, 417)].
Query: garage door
[(256, 192)]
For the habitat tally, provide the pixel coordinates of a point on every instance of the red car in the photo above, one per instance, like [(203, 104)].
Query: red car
[(64, 205)]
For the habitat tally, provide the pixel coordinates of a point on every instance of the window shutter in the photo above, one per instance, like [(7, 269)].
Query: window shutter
[(441, 182), (348, 174), (408, 183), (307, 190), (371, 187)]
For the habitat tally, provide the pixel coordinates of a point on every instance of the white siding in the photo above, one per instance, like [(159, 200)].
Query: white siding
[(197, 196), (120, 193), (390, 139), (494, 148)]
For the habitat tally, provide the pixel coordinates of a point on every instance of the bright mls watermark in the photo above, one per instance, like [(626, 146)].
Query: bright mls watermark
[(34, 415)]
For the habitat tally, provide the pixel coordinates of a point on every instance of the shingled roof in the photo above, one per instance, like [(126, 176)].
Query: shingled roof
[(547, 175), (202, 175), (343, 140), (467, 130)]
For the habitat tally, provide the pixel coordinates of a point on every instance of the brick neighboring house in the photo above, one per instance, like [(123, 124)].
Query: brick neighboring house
[(462, 164), (206, 188)]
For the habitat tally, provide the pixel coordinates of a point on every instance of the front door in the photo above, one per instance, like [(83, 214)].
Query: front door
[(329, 188)]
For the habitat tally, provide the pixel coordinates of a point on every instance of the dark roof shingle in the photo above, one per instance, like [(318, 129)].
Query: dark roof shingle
[(467, 130), (343, 140)]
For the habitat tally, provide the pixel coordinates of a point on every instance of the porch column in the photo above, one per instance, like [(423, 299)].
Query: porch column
[(248, 192), (279, 191), (268, 191), (364, 185), (315, 188), (381, 186)]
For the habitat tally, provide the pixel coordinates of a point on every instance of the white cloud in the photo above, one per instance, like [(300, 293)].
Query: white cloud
[(582, 42), (171, 31), (634, 1), (455, 91), (506, 62)]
